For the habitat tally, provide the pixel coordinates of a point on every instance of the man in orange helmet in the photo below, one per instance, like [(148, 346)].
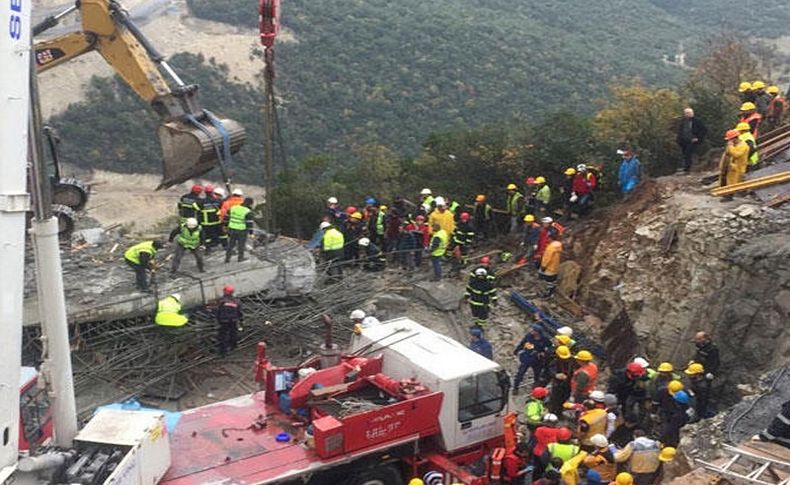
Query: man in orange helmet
[(482, 217), (734, 161)]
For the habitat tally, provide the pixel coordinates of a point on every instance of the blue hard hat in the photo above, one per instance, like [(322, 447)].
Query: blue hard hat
[(370, 201), (682, 397), (476, 331)]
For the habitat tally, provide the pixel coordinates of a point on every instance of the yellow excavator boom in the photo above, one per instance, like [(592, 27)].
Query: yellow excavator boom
[(193, 140)]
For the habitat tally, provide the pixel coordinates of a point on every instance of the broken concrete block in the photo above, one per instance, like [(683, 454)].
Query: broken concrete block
[(391, 301), (747, 210), (443, 295), (92, 236)]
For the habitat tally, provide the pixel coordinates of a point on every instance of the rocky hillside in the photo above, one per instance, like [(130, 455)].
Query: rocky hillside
[(673, 260)]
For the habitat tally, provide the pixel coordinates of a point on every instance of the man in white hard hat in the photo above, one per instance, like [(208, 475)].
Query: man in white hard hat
[(426, 201), (333, 211), (332, 244), (191, 239), (443, 217)]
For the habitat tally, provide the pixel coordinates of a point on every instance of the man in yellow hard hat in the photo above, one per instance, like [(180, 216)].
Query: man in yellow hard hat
[(746, 136), (700, 390), (745, 90), (482, 217), (515, 204), (561, 367), (542, 195), (567, 190), (776, 108), (585, 377), (691, 133), (530, 241), (761, 98), (750, 115)]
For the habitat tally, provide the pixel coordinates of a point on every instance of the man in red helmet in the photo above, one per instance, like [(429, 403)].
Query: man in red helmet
[(462, 239), (229, 317), (209, 218), (628, 385), (189, 205)]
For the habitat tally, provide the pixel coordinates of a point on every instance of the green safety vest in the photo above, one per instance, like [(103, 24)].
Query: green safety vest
[(512, 202), (566, 451), (544, 194), (168, 313), (133, 253), (439, 251), (238, 217), (754, 159), (427, 202), (333, 240), (534, 411), (380, 222), (453, 207), (189, 238)]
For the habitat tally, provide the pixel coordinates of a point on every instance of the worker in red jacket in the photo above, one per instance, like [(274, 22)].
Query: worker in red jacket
[(583, 184), (514, 465)]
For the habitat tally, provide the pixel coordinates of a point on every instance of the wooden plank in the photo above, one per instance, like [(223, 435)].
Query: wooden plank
[(778, 200), (568, 304), (752, 184)]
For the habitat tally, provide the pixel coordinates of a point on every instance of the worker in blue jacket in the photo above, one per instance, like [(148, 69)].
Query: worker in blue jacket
[(479, 344), (630, 172), (531, 352)]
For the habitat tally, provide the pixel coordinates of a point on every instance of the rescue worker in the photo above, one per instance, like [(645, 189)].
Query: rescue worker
[(515, 202), (779, 429), (351, 235), (747, 137), (601, 458), (375, 220), (627, 385), (547, 231), (426, 201), (657, 386), (630, 172), (437, 249), (514, 465), (750, 115), (641, 457), (582, 187), (483, 217), (530, 202), (332, 244), (677, 417), (734, 162), (425, 230), (236, 198), (550, 265), (613, 415), (623, 478), (168, 312), (776, 108), (585, 377), (530, 240), (191, 239), (761, 98), (209, 218), (531, 352), (409, 241), (229, 318), (240, 221), (535, 409), (479, 344), (707, 354), (745, 90), (543, 435), (374, 259), (562, 370), (462, 239), (691, 134), (592, 421), (189, 204), (481, 295), (443, 217), (356, 317), (141, 258), (542, 195), (333, 211), (700, 390), (394, 218), (563, 448)]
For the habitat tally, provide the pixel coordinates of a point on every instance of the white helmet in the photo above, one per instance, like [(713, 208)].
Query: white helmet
[(425, 191), (599, 441), (357, 315), (324, 225), (597, 396), (237, 192), (642, 362), (573, 197), (176, 297), (192, 223), (481, 272), (610, 399), (440, 201), (331, 200), (364, 242), (565, 331), (547, 220), (550, 418), (581, 167), (220, 192)]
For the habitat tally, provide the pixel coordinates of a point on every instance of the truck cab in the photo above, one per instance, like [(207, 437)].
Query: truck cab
[(35, 415)]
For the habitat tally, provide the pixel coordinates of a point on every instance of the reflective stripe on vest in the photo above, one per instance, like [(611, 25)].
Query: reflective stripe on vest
[(238, 217), (333, 240), (133, 253), (188, 238), (442, 248)]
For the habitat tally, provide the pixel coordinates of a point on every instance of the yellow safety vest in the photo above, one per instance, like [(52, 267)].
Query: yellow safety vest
[(168, 313), (333, 240), (439, 251), (238, 217), (133, 253), (754, 159), (596, 420)]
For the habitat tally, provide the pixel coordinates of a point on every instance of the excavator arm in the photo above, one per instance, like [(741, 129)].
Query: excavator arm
[(193, 140)]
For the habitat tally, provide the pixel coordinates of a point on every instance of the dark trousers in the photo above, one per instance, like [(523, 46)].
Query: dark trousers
[(537, 371), (418, 257), (407, 260), (689, 150), (179, 253), (334, 258), (213, 235), (228, 333), (479, 313), (551, 282), (238, 238), (436, 261), (141, 277)]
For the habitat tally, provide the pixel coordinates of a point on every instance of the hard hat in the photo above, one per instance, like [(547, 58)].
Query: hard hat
[(681, 396), (485, 260), (480, 198), (420, 218), (584, 355), (674, 386), (192, 223), (237, 192), (599, 441), (383, 207), (475, 331), (747, 106), (364, 242), (597, 395), (570, 171), (563, 330), (351, 209), (425, 192), (643, 363), (744, 86), (732, 134), (228, 289), (176, 297), (665, 367), (481, 272), (530, 180), (416, 481), (564, 434), (610, 399), (550, 418), (540, 392), (624, 478), (742, 126), (440, 201), (464, 216), (695, 368), (540, 180), (511, 186), (529, 218), (220, 192), (635, 369), (208, 188), (331, 200), (547, 220), (370, 201), (324, 225), (573, 197), (357, 315), (357, 216), (667, 454), (197, 188), (581, 167), (758, 85), (772, 90), (563, 339)]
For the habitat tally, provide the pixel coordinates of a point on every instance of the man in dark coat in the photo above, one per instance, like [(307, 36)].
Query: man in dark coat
[(691, 133)]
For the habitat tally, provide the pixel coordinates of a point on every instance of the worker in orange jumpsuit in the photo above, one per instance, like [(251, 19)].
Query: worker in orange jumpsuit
[(734, 161), (236, 198)]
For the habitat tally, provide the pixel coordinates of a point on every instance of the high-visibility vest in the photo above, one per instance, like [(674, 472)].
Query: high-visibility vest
[(544, 194), (592, 371), (596, 420), (442, 248), (754, 159), (512, 202), (168, 313), (453, 207), (566, 451), (534, 411), (133, 253), (189, 238), (333, 240), (238, 217), (380, 222), (427, 203)]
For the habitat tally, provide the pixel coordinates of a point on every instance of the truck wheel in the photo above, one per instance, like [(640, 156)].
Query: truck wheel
[(381, 475)]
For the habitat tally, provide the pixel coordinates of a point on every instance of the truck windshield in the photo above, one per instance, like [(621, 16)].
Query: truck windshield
[(480, 395)]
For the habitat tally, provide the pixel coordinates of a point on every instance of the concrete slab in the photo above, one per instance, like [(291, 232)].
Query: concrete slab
[(99, 286), (442, 295)]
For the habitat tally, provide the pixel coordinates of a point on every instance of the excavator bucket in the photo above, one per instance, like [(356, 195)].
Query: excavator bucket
[(189, 151)]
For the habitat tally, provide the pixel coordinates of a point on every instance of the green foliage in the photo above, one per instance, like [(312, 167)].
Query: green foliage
[(768, 18)]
